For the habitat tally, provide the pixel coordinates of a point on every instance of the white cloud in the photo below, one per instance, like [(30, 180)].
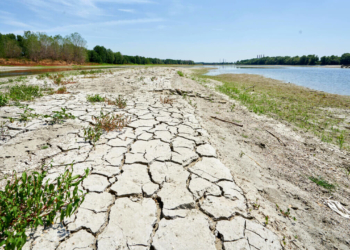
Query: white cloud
[(81, 8), (127, 10)]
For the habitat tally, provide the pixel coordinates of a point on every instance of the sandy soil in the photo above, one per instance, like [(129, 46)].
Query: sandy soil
[(271, 173)]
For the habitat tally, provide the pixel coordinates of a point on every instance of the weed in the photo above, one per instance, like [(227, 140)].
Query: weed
[(28, 201), (241, 154), (245, 136), (285, 213), (92, 134), (153, 78), (120, 102), (180, 73), (4, 99), (27, 114), (323, 183), (341, 140), (111, 122), (232, 107), (166, 100), (256, 205), (95, 98), (60, 116), (10, 80), (24, 92), (62, 90), (266, 220), (45, 147)]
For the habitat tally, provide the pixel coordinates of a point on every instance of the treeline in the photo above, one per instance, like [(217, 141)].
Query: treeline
[(72, 49), (102, 55), (303, 60), (214, 63), (39, 46)]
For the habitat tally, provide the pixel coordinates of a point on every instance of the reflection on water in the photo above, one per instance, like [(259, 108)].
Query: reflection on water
[(331, 80)]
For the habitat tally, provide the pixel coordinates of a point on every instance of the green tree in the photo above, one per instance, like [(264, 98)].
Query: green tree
[(345, 59)]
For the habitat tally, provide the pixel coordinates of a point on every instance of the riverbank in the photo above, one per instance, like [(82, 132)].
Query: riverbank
[(272, 161), (323, 114), (312, 66)]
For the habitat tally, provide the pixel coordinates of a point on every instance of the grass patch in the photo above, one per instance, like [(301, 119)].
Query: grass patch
[(95, 98), (180, 73), (309, 110), (4, 99), (323, 183), (24, 92)]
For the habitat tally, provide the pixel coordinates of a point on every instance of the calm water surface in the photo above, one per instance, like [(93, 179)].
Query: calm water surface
[(331, 80)]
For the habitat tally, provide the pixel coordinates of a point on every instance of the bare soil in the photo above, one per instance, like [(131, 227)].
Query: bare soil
[(276, 172)]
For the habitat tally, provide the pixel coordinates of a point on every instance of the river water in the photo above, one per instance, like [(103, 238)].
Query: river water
[(331, 80)]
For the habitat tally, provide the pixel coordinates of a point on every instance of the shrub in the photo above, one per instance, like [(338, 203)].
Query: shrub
[(24, 92), (120, 102), (95, 98), (28, 201), (4, 99)]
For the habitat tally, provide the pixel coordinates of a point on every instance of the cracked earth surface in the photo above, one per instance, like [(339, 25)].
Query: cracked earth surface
[(156, 184)]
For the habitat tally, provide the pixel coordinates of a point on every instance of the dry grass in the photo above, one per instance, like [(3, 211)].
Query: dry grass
[(166, 100), (318, 112), (62, 90), (111, 122)]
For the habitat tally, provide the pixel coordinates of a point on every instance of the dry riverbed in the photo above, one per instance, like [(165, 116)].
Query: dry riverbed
[(176, 178)]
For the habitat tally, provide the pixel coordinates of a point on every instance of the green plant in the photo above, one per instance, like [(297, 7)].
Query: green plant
[(180, 73), (153, 78), (266, 220), (24, 92), (95, 98), (341, 140), (120, 102), (27, 114), (256, 205), (60, 116), (28, 201), (323, 183), (232, 107), (111, 122), (92, 134), (45, 147), (241, 154), (4, 99)]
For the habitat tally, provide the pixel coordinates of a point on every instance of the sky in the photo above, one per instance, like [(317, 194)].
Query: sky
[(199, 30)]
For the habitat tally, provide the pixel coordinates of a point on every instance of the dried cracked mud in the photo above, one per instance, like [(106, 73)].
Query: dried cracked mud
[(156, 184)]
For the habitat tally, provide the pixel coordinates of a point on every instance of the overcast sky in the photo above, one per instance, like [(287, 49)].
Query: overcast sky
[(200, 30)]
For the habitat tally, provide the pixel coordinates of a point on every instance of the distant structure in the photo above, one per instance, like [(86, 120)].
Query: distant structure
[(260, 56)]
